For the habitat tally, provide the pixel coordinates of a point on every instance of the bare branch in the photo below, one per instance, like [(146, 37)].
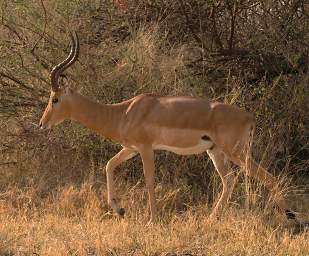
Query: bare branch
[(233, 12), (196, 37), (15, 80), (214, 27), (44, 30)]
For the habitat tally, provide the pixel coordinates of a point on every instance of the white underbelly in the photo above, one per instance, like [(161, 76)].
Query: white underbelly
[(199, 148)]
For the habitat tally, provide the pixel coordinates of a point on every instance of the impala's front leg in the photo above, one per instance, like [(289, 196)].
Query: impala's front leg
[(122, 156), (228, 180), (147, 155)]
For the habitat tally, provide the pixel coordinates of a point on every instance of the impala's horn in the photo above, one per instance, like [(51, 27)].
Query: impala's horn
[(58, 69)]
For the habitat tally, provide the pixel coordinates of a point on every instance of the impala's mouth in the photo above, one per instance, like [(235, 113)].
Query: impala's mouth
[(44, 126)]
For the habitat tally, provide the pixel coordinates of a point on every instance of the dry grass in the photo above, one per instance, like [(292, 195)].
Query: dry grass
[(239, 232), (74, 220)]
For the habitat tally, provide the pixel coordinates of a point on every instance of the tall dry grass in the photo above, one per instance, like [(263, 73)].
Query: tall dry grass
[(56, 232)]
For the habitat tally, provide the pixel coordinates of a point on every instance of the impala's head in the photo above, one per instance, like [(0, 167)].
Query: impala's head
[(59, 104)]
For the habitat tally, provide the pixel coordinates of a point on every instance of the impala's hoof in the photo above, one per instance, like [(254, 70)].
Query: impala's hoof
[(306, 224), (150, 223), (121, 212), (290, 215), (214, 218)]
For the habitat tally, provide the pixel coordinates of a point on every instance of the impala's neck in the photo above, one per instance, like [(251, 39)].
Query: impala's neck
[(102, 118)]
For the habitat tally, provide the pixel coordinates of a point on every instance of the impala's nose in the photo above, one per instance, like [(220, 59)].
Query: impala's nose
[(41, 125)]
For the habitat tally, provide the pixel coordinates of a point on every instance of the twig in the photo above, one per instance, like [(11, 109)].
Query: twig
[(214, 26), (15, 80), (197, 39), (233, 11), (44, 30), (8, 163)]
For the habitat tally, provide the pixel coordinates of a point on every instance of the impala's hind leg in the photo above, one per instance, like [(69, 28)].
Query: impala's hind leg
[(241, 155), (228, 179), (123, 155)]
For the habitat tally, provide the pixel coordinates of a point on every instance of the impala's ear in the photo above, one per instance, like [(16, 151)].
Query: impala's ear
[(63, 81), (67, 90)]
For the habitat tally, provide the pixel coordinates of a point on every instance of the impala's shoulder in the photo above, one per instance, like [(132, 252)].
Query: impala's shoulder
[(142, 101), (144, 96)]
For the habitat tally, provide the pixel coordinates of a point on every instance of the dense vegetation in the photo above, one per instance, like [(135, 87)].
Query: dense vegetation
[(251, 53)]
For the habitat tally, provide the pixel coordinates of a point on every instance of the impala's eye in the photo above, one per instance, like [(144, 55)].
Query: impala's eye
[(55, 100)]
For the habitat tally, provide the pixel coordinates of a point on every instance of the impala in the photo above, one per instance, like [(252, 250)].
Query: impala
[(180, 124)]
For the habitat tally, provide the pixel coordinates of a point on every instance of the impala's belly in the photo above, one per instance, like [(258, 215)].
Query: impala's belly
[(183, 141), (178, 141), (176, 137), (199, 148)]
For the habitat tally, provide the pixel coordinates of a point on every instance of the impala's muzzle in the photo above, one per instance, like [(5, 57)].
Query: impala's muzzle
[(45, 121), (44, 125)]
